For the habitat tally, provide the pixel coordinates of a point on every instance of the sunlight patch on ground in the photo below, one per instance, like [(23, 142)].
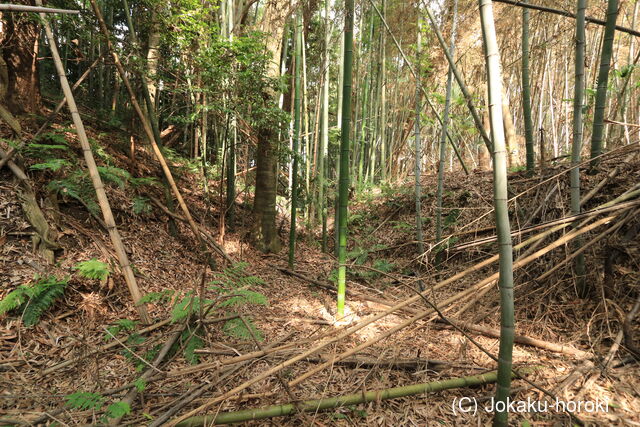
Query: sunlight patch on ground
[(231, 247)]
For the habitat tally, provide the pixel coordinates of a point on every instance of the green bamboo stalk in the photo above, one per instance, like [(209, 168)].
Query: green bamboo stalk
[(296, 140), (383, 99), (603, 80), (337, 159), (343, 190), (418, 142), (339, 401), (578, 99), (443, 135), (324, 142), (503, 228), (526, 91)]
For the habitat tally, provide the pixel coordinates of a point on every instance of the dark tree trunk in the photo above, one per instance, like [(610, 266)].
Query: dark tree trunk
[(264, 206), (265, 235), (19, 45)]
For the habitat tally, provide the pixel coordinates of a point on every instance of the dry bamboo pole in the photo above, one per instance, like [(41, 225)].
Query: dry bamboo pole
[(560, 221), (109, 220), (623, 197), (522, 339), (599, 22), (471, 290), (608, 232), (147, 128), (13, 150), (36, 9)]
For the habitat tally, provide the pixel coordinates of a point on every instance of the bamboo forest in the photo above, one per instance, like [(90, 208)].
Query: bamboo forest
[(320, 213)]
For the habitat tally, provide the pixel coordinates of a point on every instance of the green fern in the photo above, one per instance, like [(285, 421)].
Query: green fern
[(93, 269), (120, 325), (51, 164), (141, 205), (85, 400), (111, 174), (77, 186), (154, 297), (32, 301), (140, 182), (188, 305), (190, 344), (244, 296), (117, 410), (14, 299), (237, 328)]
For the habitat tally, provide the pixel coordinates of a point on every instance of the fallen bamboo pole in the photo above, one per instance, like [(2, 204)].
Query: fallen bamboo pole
[(145, 125), (103, 201), (475, 288), (38, 9), (339, 401), (567, 14), (521, 339)]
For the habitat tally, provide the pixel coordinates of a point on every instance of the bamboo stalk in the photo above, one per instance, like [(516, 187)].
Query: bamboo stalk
[(522, 339), (35, 9), (109, 220), (145, 124), (527, 5), (310, 352), (336, 402)]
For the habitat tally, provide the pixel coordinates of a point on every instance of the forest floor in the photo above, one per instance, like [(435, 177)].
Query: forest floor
[(70, 351)]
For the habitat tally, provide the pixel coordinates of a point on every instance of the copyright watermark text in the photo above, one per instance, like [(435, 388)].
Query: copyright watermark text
[(470, 405)]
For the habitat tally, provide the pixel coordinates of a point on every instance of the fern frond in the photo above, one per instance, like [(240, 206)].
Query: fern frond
[(245, 296), (93, 269), (236, 328), (42, 296), (194, 342), (85, 400), (141, 205), (14, 299), (114, 175), (51, 164)]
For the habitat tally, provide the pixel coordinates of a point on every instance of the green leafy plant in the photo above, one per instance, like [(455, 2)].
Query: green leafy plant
[(54, 165), (84, 401), (31, 301), (117, 410), (93, 269), (237, 328), (141, 205), (234, 285), (121, 325), (451, 218)]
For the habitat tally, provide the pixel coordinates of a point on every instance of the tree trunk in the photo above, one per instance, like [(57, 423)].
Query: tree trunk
[(264, 205), (20, 85)]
